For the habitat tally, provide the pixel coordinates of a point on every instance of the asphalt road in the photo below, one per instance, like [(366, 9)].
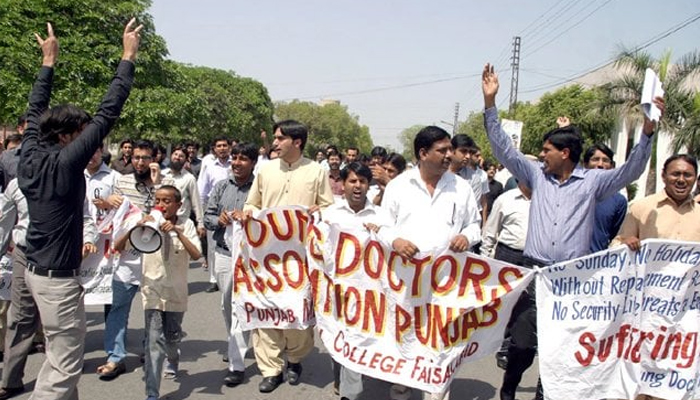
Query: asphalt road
[(202, 370)]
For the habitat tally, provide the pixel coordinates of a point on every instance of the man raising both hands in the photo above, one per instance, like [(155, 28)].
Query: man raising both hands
[(57, 146)]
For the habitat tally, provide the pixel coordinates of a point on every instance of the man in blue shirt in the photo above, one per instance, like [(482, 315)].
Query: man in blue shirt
[(562, 212), (610, 212)]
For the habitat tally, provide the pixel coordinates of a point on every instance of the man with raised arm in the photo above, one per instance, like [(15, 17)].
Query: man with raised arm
[(562, 211), (57, 146)]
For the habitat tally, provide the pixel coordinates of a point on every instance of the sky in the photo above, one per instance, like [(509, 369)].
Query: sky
[(395, 64)]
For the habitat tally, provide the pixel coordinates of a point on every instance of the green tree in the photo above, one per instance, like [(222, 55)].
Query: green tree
[(623, 96), (328, 124), (406, 139), (90, 34)]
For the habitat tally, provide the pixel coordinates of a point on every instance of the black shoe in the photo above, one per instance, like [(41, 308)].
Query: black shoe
[(234, 378), (505, 395), (294, 373), (38, 347), (212, 288), (6, 393), (502, 361), (224, 359), (270, 383)]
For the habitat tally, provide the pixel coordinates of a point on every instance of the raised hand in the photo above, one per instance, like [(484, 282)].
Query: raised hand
[(489, 85), (49, 47), (131, 40), (649, 125)]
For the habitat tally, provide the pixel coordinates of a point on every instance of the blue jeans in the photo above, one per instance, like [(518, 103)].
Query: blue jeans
[(117, 319), (163, 336)]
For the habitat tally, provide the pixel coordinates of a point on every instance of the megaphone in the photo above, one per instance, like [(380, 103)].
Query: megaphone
[(147, 238)]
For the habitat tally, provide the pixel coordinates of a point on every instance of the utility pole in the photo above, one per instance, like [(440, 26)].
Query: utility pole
[(515, 71), (454, 126)]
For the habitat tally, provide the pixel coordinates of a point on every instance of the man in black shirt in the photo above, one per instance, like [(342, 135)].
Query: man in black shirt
[(57, 145)]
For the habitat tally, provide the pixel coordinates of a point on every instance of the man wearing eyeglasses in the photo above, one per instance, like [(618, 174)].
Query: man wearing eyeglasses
[(139, 188)]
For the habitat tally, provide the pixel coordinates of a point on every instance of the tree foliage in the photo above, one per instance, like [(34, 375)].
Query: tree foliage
[(170, 102), (406, 139), (327, 124), (682, 115)]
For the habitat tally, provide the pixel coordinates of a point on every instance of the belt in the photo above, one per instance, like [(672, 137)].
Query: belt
[(53, 273)]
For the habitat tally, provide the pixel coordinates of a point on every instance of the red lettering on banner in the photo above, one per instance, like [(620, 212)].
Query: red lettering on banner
[(292, 259), (395, 283), (505, 282), (345, 240), (628, 342), (255, 232), (240, 276), (419, 264), (273, 219), (438, 288), (304, 226), (275, 283), (476, 279), (374, 248)]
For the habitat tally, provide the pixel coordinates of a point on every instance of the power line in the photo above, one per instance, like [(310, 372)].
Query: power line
[(560, 34), (640, 47), (385, 88)]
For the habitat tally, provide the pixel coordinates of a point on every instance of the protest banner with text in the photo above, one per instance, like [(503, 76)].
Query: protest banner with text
[(412, 322), (271, 287), (619, 323)]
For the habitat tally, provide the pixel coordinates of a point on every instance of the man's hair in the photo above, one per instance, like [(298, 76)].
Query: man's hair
[(14, 138), (685, 157), (249, 150), (195, 144), (463, 141), (332, 147), (334, 153), (378, 151), (174, 190), (294, 129), (22, 119), (358, 168), (597, 147), (162, 150), (352, 148), (180, 147), (125, 141), (426, 137), (220, 139), (64, 119), (568, 137), (145, 145), (488, 164), (397, 161), (363, 158)]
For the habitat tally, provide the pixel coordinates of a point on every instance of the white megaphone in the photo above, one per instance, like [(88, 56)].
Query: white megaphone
[(147, 238)]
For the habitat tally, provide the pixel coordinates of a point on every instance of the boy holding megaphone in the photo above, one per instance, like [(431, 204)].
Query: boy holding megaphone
[(164, 285)]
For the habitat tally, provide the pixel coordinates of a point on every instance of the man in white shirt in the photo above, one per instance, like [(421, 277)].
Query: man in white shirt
[(430, 208), (210, 175), (465, 163), (504, 233), (186, 183), (354, 211)]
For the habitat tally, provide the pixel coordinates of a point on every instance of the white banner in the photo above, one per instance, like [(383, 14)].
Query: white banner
[(618, 323), (96, 273), (271, 287), (412, 322), (514, 130)]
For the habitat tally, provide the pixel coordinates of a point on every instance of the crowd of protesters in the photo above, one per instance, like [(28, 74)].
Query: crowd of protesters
[(59, 184)]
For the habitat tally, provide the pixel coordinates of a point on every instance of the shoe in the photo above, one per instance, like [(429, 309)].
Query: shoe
[(170, 371), (294, 373), (111, 370), (505, 395), (270, 383), (212, 288), (502, 361), (234, 378), (224, 359), (151, 398), (336, 389), (6, 393), (399, 392)]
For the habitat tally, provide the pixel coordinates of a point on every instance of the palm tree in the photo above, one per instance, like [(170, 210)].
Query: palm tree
[(682, 116)]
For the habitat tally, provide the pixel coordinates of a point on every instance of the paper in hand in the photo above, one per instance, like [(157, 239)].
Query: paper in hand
[(652, 89)]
